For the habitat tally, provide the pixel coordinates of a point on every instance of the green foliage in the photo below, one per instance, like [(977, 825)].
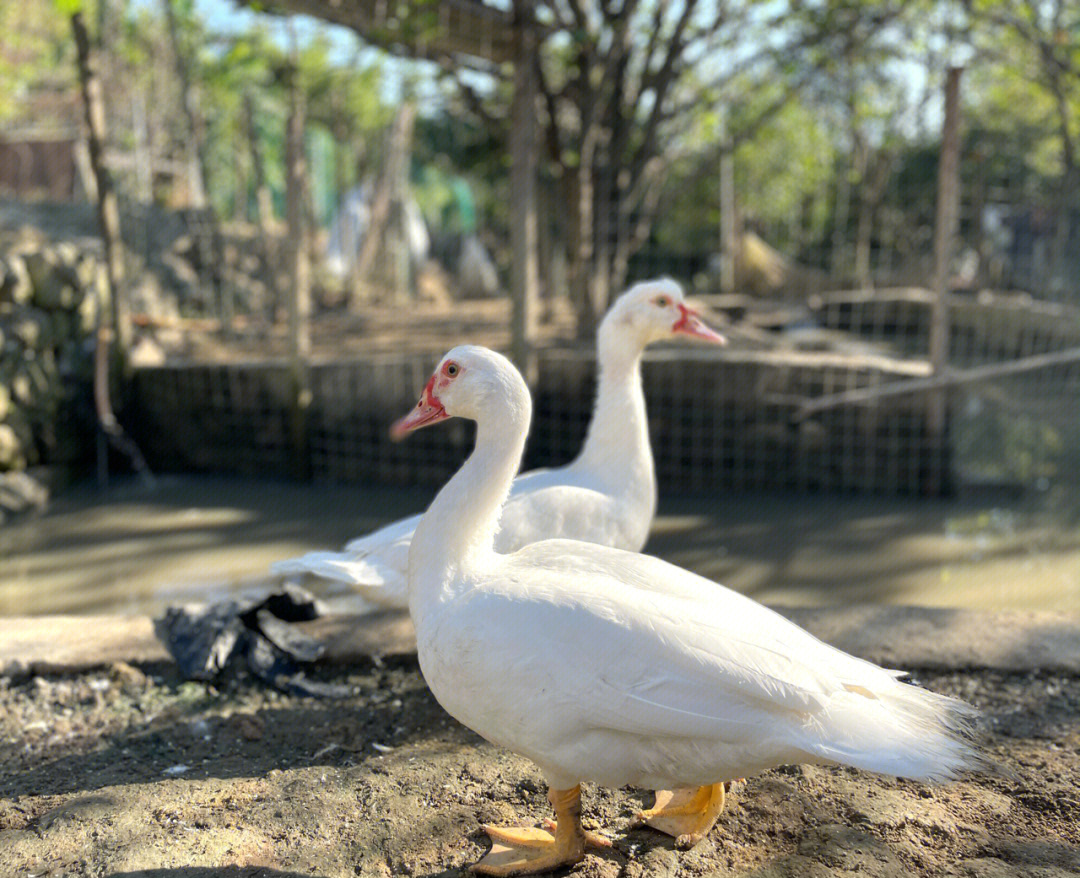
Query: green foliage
[(36, 59), (816, 95)]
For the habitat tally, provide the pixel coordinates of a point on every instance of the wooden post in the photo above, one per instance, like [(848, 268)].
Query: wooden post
[(197, 149), (525, 281), (299, 297), (144, 163), (729, 242), (948, 204)]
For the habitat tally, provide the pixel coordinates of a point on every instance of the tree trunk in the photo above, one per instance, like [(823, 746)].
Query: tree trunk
[(299, 302), (525, 281), (384, 254), (983, 275), (729, 241), (863, 234), (582, 229), (208, 233), (242, 184), (197, 175), (264, 206), (109, 222), (144, 165), (107, 207), (1067, 197), (875, 177), (948, 204), (841, 207)]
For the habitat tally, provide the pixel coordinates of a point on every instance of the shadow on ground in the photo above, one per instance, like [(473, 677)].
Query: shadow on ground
[(201, 872), (162, 777), (200, 536)]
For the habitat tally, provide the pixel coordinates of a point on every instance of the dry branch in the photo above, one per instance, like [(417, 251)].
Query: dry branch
[(937, 382)]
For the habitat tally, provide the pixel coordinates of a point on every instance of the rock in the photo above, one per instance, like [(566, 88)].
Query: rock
[(21, 492), (146, 352), (149, 297), (40, 265), (86, 808), (36, 385), (65, 325), (56, 293), (55, 276), (780, 805), (23, 442), (97, 290), (30, 327), (251, 726), (128, 676), (15, 287), (595, 866), (12, 454), (47, 313)]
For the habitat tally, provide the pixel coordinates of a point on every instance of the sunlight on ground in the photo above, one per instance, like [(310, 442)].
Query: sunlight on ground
[(198, 538)]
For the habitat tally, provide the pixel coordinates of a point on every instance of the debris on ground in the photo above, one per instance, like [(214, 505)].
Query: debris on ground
[(253, 636)]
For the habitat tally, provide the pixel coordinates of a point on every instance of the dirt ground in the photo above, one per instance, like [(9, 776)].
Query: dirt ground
[(133, 771)]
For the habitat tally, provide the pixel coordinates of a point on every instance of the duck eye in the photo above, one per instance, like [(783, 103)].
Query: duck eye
[(452, 370)]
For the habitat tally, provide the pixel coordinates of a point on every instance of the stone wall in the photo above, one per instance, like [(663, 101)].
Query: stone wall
[(48, 301)]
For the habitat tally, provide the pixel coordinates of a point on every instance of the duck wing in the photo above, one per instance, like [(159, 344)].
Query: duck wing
[(663, 652)]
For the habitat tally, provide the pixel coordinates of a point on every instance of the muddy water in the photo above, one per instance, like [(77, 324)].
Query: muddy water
[(197, 538)]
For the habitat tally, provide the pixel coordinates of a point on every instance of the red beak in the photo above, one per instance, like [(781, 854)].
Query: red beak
[(691, 324), (428, 411)]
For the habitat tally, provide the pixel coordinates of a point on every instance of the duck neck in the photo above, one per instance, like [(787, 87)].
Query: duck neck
[(616, 448), (457, 533)]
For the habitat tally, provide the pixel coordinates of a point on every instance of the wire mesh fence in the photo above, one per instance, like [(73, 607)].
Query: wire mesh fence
[(716, 422), (785, 164), (802, 202)]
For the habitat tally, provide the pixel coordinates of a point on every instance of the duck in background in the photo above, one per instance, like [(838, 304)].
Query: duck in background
[(606, 495)]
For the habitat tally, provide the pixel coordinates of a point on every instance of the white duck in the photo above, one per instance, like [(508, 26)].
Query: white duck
[(607, 495), (610, 666)]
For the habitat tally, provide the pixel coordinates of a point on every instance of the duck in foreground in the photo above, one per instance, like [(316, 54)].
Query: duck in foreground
[(606, 495), (609, 666)]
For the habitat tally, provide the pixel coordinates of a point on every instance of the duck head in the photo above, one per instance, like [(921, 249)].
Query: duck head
[(468, 382), (656, 310)]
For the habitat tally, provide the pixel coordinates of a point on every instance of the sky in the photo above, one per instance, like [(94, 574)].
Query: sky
[(224, 16)]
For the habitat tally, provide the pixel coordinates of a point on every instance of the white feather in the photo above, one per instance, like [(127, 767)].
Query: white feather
[(610, 666)]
